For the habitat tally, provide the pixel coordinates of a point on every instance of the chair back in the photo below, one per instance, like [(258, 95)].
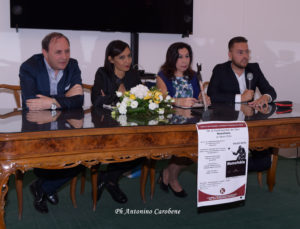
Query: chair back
[(15, 89), (88, 89)]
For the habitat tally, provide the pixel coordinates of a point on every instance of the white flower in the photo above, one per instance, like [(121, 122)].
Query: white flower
[(125, 100), (122, 119), (161, 117), (122, 109), (134, 104), (131, 100), (153, 106), (140, 91), (119, 94), (152, 122), (161, 111), (133, 124)]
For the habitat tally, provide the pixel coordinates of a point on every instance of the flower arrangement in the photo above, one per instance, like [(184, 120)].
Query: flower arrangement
[(142, 103)]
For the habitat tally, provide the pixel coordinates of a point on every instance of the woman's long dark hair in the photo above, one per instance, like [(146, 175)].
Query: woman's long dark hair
[(113, 49), (169, 67)]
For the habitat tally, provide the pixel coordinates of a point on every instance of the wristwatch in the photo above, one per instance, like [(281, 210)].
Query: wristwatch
[(53, 106), (53, 114)]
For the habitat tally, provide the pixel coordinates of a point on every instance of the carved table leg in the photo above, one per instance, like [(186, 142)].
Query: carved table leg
[(143, 179), (73, 191), (94, 178), (271, 175), (19, 187), (4, 175), (259, 178), (152, 177), (83, 178)]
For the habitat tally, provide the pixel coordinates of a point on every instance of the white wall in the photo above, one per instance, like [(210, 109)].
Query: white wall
[(270, 26)]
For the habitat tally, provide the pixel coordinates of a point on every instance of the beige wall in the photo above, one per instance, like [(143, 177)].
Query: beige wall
[(270, 26)]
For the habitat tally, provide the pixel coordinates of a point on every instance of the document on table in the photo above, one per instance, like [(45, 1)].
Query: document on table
[(196, 105), (222, 162)]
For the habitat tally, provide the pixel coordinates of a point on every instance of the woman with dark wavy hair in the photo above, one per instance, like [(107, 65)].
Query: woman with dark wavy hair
[(177, 79)]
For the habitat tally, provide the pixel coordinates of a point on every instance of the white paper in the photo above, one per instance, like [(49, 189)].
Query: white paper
[(196, 105), (222, 162)]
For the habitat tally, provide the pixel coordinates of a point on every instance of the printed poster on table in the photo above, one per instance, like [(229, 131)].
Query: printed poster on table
[(222, 162)]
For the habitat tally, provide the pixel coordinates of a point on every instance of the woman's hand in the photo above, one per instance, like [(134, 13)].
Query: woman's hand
[(187, 113), (76, 123)]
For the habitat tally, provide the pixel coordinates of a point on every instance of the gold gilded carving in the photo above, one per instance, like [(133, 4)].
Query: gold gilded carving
[(6, 169)]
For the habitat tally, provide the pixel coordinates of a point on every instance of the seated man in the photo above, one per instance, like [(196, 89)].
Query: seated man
[(50, 81), (235, 81)]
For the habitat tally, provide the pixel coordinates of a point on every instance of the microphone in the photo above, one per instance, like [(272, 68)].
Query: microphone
[(249, 78), (199, 76)]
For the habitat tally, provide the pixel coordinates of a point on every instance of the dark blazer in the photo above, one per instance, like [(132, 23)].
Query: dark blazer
[(34, 79), (109, 84), (223, 85)]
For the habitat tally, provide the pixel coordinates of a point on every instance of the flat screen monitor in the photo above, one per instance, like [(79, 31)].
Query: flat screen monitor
[(140, 16)]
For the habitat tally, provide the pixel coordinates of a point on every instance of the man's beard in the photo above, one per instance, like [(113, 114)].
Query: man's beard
[(239, 65)]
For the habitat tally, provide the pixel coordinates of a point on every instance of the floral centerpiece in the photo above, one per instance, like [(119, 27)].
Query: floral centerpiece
[(141, 105)]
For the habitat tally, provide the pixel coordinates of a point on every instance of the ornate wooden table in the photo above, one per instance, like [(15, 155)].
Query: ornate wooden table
[(26, 144)]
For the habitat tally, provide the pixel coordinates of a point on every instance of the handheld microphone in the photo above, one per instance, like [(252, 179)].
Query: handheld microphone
[(249, 78)]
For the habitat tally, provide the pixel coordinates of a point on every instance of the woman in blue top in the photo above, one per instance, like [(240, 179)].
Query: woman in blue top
[(177, 79)]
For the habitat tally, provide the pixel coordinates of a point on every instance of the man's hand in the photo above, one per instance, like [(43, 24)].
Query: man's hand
[(263, 110), (41, 117), (247, 110), (75, 90), (261, 102), (40, 103), (247, 95)]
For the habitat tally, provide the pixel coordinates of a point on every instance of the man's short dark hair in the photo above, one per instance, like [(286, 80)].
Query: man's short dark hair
[(236, 40), (47, 39)]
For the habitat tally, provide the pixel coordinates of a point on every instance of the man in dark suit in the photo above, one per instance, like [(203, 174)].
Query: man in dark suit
[(229, 81), (51, 81)]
